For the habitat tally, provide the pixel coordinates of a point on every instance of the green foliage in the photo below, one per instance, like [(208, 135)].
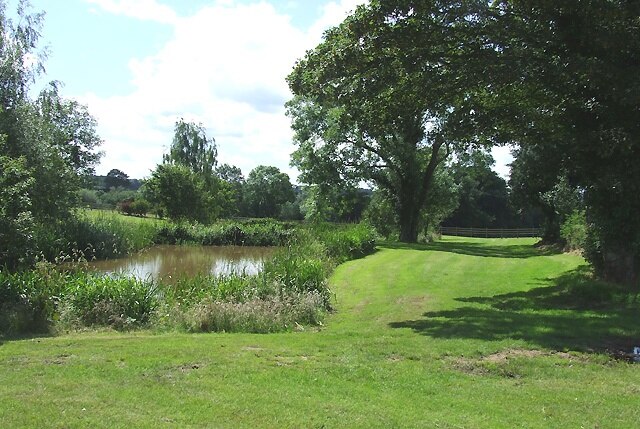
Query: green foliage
[(296, 269), (574, 230), (182, 193), (46, 144), (346, 242), (334, 203), (137, 207), (71, 129), (290, 211), (566, 98), (442, 199), (120, 302), (184, 187), (140, 207), (94, 235), (266, 191), (89, 198), (192, 148), (381, 214), (241, 233), (376, 102), (28, 300), (117, 179), (291, 289), (16, 221), (112, 197), (231, 190), (483, 195)]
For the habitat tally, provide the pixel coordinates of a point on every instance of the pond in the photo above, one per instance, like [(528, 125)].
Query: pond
[(171, 262)]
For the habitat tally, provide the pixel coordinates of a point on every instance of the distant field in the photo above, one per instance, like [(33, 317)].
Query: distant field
[(462, 333)]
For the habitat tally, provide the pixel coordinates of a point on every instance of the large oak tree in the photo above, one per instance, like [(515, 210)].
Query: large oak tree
[(384, 99)]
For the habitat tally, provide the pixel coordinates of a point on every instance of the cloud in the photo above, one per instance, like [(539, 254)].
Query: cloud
[(148, 10), (224, 67), (333, 13)]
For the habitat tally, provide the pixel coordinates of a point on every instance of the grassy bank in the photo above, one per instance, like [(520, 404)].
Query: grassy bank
[(291, 291), (464, 333)]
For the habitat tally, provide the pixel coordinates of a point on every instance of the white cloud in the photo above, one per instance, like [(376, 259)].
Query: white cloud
[(148, 10), (224, 67), (333, 13)]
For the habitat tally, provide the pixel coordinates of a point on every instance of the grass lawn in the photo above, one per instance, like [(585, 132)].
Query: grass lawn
[(463, 333)]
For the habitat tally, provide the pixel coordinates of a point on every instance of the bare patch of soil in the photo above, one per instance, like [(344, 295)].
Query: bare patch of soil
[(499, 363)]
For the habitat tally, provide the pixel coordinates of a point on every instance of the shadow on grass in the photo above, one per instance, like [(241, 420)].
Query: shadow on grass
[(5, 338), (573, 313), (519, 251)]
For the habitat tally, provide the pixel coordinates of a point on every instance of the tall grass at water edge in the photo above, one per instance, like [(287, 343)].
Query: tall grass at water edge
[(92, 235), (291, 291), (99, 234), (258, 232)]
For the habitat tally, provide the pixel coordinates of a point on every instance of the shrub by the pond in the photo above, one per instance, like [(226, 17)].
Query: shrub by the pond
[(121, 302), (28, 300), (347, 241)]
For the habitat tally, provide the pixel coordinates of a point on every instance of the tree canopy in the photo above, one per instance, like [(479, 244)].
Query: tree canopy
[(483, 196), (117, 179), (569, 95), (382, 99), (266, 190), (400, 84), (185, 185), (192, 148), (46, 144)]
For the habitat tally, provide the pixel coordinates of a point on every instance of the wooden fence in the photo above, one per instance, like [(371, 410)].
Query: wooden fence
[(490, 232)]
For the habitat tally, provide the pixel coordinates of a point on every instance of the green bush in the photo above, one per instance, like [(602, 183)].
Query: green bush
[(94, 300), (140, 207), (114, 196), (574, 230), (89, 198), (346, 242), (28, 300)]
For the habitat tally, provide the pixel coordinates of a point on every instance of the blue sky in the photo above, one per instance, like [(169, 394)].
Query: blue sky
[(139, 65)]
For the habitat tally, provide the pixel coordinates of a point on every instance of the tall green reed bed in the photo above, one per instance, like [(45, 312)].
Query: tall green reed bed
[(290, 292), (101, 234), (252, 232), (91, 235)]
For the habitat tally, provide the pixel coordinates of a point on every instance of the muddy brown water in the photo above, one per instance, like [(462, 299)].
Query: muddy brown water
[(172, 262)]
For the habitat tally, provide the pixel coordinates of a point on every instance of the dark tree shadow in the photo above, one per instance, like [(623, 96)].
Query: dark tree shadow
[(5, 338), (572, 313), (518, 251)]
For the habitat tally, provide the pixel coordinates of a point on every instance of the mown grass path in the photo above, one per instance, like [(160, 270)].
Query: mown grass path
[(464, 333)]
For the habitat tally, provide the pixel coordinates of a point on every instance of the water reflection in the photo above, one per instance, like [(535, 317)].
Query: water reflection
[(185, 261)]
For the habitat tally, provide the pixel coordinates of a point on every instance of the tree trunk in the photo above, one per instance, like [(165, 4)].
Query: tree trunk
[(414, 188), (409, 223), (409, 205)]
